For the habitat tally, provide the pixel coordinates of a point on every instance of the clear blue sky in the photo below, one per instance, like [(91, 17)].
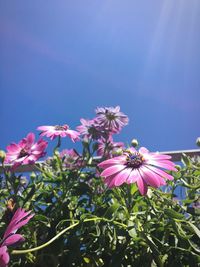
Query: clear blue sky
[(61, 59)]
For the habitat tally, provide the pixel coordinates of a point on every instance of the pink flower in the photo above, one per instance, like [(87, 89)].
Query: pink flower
[(90, 129), (111, 118), (141, 167), (71, 159), (54, 131), (26, 151), (108, 148), (20, 218), (4, 257)]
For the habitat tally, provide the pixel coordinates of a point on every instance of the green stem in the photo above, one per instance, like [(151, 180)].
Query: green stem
[(61, 233), (58, 144), (45, 244)]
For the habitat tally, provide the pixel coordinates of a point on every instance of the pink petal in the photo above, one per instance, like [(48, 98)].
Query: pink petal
[(133, 177), (30, 139), (13, 148), (121, 177), (109, 162), (20, 218), (159, 156), (150, 177), (45, 128), (4, 257), (161, 173), (142, 186), (143, 150), (112, 170), (13, 239)]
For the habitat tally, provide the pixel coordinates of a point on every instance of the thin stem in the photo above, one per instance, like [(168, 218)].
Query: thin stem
[(58, 144), (62, 232), (45, 244)]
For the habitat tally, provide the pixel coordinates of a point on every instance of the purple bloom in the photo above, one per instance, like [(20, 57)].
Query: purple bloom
[(54, 131), (111, 118), (90, 129), (26, 151), (20, 218), (108, 148), (71, 159), (141, 167)]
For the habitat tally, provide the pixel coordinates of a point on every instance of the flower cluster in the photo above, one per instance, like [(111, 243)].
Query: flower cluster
[(131, 166), (102, 159)]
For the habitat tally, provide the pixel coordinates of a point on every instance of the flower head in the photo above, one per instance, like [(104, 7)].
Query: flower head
[(111, 118), (26, 151), (142, 167), (71, 159), (54, 131), (90, 129), (108, 148), (20, 218)]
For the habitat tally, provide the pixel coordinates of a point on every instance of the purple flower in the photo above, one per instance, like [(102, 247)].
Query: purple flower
[(141, 167), (108, 148), (26, 151), (111, 118), (54, 131), (71, 159), (20, 218), (90, 129)]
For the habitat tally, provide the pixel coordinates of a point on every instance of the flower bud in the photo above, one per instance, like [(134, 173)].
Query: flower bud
[(117, 152), (134, 143), (198, 141), (2, 155), (23, 181)]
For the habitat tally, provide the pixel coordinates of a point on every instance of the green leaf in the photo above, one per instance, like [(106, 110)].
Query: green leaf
[(174, 214), (195, 229), (87, 260), (111, 210), (185, 159)]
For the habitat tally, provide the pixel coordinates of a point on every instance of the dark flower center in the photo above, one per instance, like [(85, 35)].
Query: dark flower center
[(134, 160), (60, 128), (110, 115), (23, 153)]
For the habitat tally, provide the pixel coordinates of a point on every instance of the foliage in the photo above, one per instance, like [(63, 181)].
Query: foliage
[(80, 222)]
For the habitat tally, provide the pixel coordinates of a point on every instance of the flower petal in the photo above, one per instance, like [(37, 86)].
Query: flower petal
[(112, 170)]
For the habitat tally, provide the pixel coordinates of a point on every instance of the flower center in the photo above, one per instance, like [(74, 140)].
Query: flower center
[(110, 116), (134, 160), (23, 153), (60, 128)]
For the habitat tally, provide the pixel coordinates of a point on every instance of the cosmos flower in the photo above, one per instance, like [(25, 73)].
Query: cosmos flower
[(26, 151), (111, 118), (54, 131), (71, 159), (108, 148), (142, 167), (20, 218), (90, 129)]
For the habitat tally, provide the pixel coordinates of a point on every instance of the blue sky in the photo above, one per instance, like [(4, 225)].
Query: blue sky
[(62, 59)]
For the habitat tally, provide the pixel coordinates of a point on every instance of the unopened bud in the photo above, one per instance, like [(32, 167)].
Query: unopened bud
[(2, 155), (117, 152), (134, 143), (23, 181), (198, 141)]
